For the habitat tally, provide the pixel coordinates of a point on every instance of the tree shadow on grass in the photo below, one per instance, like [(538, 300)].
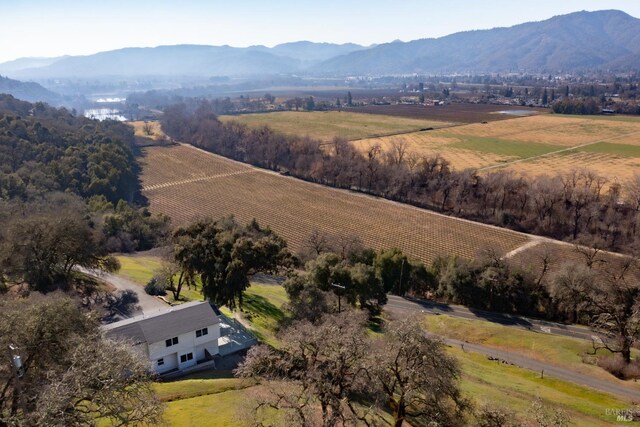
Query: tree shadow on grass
[(376, 324), (256, 305)]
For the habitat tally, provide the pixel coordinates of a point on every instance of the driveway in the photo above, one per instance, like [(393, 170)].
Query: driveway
[(148, 304)]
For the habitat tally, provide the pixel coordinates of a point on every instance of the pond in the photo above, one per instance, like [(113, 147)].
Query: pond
[(518, 112), (104, 114), (108, 100)]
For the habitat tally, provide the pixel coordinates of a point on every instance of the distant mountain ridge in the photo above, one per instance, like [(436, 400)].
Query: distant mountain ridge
[(607, 39), (580, 40), (184, 60), (29, 91), (24, 63)]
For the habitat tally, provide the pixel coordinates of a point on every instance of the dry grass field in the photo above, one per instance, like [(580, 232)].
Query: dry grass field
[(187, 183), (535, 145), (614, 168), (138, 129), (326, 125)]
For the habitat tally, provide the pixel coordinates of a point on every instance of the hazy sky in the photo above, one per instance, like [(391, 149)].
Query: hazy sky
[(58, 27)]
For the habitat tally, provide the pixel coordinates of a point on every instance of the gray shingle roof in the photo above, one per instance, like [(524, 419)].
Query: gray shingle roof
[(179, 320)]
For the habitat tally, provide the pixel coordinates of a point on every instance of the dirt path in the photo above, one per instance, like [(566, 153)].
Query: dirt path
[(534, 242), (198, 179)]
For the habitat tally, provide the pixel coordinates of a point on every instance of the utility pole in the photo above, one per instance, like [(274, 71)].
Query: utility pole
[(400, 282), (335, 285), (18, 370)]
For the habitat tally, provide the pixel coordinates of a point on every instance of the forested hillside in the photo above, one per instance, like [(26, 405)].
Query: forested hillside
[(67, 184), (44, 149), (29, 91)]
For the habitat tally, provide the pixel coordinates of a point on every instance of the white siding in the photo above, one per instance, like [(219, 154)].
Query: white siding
[(187, 343), (170, 362)]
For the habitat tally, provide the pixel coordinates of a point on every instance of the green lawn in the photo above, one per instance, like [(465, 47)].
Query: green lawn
[(558, 350), (194, 401), (501, 146), (188, 388), (622, 150), (490, 382), (138, 268), (197, 400), (141, 268), (230, 408), (262, 311), (326, 125)]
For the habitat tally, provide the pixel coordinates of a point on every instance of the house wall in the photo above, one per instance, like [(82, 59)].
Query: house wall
[(187, 343)]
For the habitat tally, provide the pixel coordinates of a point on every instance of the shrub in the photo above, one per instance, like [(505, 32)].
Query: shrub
[(617, 367), (153, 287), (125, 302), (495, 416)]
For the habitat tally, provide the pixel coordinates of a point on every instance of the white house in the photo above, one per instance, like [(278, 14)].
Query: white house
[(175, 339)]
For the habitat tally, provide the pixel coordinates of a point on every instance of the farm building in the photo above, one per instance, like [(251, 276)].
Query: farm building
[(173, 340)]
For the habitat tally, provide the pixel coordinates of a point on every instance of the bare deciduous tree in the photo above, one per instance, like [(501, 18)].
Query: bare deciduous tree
[(346, 245), (147, 129), (70, 374), (417, 377), (317, 243), (321, 363), (333, 365), (609, 298), (397, 152)]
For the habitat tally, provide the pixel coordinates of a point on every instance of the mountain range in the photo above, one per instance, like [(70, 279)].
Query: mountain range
[(577, 41), (582, 40), (183, 60), (29, 91)]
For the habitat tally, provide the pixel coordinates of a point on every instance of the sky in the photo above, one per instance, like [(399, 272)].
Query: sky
[(40, 28)]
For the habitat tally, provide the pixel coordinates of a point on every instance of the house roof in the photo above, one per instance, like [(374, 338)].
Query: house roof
[(179, 320)]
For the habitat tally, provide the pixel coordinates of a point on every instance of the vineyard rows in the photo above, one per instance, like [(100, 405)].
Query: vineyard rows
[(182, 168), (294, 208)]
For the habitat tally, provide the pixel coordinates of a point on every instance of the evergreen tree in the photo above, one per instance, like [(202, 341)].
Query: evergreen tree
[(310, 105)]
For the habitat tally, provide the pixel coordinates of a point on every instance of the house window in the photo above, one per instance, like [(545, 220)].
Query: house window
[(185, 357), (160, 362), (201, 332), (171, 341)]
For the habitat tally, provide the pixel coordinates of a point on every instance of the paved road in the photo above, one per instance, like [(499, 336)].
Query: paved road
[(416, 305), (148, 304), (399, 307)]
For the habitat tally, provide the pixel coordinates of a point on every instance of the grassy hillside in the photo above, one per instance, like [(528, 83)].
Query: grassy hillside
[(195, 400), (494, 383), (558, 350), (192, 400)]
